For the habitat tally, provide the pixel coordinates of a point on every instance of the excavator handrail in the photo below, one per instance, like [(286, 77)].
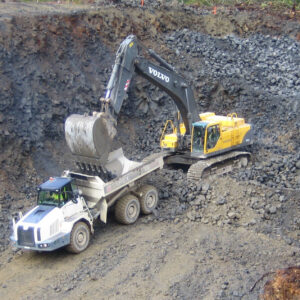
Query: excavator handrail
[(232, 115), (165, 128)]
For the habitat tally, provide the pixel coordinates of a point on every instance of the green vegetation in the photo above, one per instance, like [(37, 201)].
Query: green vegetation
[(262, 3)]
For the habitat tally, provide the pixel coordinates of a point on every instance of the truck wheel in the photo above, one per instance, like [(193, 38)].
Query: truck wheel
[(127, 209), (148, 198), (80, 238)]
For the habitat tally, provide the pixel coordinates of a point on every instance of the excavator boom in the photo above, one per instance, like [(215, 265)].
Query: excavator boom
[(90, 137)]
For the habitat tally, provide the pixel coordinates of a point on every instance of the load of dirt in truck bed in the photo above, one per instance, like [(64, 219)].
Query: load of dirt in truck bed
[(208, 240)]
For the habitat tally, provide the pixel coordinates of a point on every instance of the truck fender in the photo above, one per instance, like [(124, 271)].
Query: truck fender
[(103, 211), (87, 222)]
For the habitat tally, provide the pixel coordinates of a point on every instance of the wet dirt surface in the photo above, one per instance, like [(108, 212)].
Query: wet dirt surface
[(208, 240), (156, 260)]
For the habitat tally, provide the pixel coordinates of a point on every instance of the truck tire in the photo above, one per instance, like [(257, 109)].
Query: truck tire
[(127, 209), (148, 198), (80, 238)]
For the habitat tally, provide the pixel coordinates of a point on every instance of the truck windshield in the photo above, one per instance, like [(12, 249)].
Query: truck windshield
[(198, 138), (46, 197)]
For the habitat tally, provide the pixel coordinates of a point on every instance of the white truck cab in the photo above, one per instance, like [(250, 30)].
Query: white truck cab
[(48, 226)]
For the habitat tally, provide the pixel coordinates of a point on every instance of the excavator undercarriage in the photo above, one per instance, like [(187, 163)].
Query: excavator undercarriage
[(218, 165)]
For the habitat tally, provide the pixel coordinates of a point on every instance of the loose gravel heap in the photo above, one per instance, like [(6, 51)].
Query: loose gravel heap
[(256, 76), (55, 65)]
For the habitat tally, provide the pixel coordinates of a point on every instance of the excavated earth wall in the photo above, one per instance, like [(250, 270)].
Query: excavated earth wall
[(56, 60)]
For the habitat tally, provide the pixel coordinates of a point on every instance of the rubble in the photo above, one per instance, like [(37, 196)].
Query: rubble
[(57, 64)]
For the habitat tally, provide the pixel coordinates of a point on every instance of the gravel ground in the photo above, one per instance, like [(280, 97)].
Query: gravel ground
[(212, 239)]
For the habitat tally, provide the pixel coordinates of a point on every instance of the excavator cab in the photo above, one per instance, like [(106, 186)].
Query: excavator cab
[(205, 137)]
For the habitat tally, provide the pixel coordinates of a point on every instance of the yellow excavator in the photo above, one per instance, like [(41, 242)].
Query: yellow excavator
[(205, 143)]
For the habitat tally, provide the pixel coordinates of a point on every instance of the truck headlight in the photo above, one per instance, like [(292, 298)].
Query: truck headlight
[(43, 245)]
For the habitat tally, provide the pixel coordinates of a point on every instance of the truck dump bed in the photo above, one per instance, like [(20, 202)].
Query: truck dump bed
[(94, 189)]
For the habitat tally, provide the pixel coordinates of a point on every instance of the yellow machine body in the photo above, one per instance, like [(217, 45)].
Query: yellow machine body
[(170, 140), (211, 135)]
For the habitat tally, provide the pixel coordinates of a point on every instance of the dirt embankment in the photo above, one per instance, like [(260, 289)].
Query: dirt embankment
[(208, 240)]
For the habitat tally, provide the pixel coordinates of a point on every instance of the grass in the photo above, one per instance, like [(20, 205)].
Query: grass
[(262, 3)]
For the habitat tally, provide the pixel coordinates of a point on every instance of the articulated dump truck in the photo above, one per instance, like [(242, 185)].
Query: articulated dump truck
[(68, 206)]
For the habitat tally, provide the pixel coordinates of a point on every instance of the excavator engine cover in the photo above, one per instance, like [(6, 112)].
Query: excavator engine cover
[(90, 138)]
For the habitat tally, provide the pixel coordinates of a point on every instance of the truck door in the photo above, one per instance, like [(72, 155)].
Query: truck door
[(69, 208)]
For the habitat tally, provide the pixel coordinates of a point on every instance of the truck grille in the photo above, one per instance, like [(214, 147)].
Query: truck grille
[(26, 237), (54, 227)]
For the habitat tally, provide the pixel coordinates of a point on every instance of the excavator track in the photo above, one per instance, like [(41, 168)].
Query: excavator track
[(218, 165)]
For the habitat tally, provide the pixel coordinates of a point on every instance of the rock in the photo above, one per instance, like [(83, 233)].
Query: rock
[(282, 198), (288, 240), (221, 201), (176, 220), (199, 200), (233, 215), (191, 215), (272, 210), (235, 294), (166, 195), (205, 188)]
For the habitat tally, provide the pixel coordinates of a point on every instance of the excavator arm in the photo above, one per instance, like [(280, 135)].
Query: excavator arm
[(123, 70), (175, 86), (129, 61), (90, 137)]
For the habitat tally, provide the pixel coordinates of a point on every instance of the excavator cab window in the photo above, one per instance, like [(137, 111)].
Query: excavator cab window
[(213, 135), (198, 137)]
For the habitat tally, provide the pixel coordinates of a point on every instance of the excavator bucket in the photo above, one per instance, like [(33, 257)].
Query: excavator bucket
[(90, 139)]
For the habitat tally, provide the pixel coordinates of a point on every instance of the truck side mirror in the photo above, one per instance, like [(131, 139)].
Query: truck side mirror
[(77, 193)]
